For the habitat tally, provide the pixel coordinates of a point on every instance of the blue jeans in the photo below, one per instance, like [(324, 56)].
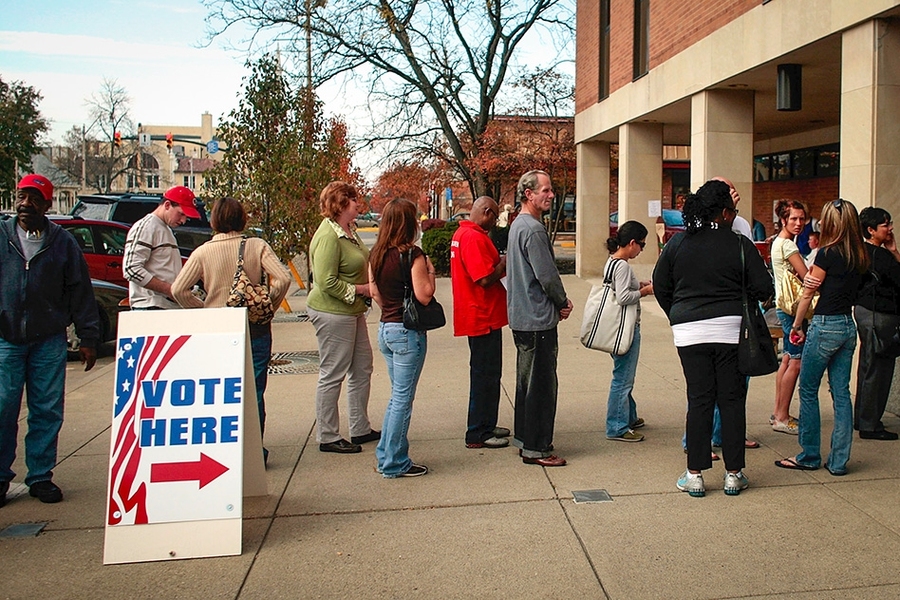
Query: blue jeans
[(261, 350), (404, 352), (39, 368), (787, 322), (621, 410), (830, 343), (485, 369)]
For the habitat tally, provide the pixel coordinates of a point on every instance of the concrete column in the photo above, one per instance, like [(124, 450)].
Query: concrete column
[(870, 104), (722, 141), (640, 179), (592, 216)]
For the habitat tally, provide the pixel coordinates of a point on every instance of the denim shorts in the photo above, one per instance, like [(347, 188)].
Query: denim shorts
[(787, 321)]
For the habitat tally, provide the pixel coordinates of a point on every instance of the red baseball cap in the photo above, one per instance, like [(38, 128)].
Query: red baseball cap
[(184, 198), (40, 183)]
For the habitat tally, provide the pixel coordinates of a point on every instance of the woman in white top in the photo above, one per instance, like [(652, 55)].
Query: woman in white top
[(785, 257), (621, 410)]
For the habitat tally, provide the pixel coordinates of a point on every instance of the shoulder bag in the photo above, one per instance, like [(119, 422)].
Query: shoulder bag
[(418, 316), (607, 326), (881, 346), (255, 297), (756, 352), (790, 289)]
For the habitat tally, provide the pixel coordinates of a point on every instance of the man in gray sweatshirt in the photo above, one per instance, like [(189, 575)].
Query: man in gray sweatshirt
[(536, 302)]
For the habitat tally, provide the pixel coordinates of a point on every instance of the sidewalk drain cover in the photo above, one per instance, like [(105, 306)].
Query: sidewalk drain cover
[(291, 363), (589, 496), (21, 530), (294, 317)]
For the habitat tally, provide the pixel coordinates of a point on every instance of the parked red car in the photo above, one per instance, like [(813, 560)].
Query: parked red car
[(103, 244)]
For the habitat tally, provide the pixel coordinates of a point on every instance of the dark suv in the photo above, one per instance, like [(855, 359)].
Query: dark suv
[(128, 208)]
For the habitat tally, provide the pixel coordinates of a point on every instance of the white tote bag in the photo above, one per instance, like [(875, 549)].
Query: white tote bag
[(607, 326)]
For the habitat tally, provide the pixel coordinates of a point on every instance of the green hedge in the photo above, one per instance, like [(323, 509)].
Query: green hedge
[(436, 244)]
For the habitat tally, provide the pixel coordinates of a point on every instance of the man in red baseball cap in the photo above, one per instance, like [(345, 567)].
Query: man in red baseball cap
[(152, 260), (44, 286)]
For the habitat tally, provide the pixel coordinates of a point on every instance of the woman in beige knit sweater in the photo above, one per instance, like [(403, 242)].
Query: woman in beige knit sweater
[(215, 263)]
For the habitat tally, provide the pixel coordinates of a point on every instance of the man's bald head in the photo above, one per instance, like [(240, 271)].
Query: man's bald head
[(735, 196), (484, 212)]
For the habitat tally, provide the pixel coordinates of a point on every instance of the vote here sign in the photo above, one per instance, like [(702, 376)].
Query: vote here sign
[(178, 420)]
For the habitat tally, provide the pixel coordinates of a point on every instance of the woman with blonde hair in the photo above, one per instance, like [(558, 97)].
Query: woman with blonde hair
[(395, 260), (215, 263), (831, 339), (785, 259), (337, 309)]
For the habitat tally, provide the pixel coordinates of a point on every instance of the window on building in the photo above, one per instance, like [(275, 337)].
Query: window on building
[(131, 181), (604, 48), (190, 181), (152, 181), (828, 161), (641, 37), (805, 163), (101, 181)]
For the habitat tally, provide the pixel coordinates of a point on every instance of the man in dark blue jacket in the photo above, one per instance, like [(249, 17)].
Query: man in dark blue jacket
[(44, 286)]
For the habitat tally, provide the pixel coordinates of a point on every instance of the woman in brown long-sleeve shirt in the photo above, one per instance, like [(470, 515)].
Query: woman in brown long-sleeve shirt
[(215, 263)]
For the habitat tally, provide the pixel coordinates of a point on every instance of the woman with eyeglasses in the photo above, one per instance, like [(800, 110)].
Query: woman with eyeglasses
[(699, 282), (831, 339), (877, 314), (621, 410)]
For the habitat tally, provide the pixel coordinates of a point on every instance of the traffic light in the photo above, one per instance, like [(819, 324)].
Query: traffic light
[(117, 139), (169, 139)]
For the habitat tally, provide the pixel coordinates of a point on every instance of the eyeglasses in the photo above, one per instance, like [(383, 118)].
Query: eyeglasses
[(641, 244), (839, 204)]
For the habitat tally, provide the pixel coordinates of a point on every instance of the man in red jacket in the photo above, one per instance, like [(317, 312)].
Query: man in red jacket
[(479, 312)]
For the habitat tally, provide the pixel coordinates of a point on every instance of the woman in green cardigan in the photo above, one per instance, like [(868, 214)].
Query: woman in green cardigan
[(337, 307)]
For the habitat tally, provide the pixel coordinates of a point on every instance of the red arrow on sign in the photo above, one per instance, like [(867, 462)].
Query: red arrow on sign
[(204, 471)]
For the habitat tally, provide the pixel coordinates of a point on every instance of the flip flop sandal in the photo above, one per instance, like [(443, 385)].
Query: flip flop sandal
[(752, 444), (793, 465)]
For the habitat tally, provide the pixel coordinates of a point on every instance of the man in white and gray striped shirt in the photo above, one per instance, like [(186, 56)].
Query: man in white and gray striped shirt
[(152, 260)]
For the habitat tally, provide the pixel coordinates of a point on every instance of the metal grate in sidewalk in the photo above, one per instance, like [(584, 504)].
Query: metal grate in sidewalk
[(293, 363)]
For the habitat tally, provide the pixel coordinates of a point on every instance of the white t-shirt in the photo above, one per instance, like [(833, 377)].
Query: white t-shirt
[(742, 226), (782, 250)]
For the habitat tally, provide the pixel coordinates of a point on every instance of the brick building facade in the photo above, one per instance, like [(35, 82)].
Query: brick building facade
[(703, 76)]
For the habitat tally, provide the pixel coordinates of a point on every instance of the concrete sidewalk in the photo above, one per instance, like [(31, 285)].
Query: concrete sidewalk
[(481, 523)]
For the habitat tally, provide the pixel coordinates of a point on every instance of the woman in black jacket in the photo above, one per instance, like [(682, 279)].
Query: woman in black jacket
[(877, 313), (698, 283)]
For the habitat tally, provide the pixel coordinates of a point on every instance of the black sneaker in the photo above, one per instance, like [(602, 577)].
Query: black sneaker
[(341, 446), (415, 471), (46, 491), (372, 436), (4, 487)]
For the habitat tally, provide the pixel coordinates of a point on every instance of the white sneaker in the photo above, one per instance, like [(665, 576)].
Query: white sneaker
[(735, 482), (692, 484)]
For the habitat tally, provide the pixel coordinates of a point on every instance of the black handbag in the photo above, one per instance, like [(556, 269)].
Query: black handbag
[(884, 347), (756, 353), (418, 316)]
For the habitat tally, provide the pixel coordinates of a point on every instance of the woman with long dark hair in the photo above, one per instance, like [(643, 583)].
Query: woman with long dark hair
[(831, 340), (395, 259), (877, 314), (621, 409), (699, 282), (785, 258)]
